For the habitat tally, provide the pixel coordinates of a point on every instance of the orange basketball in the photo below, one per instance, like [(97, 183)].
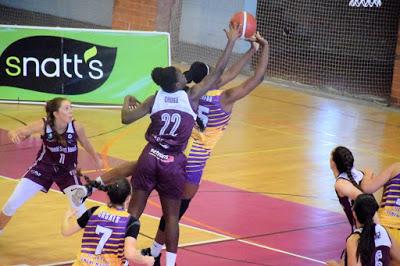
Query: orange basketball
[(247, 21)]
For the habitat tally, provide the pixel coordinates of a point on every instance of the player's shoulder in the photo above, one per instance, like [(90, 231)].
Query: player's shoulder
[(353, 239)]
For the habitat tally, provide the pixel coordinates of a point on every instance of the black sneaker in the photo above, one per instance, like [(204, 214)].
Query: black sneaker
[(147, 252)]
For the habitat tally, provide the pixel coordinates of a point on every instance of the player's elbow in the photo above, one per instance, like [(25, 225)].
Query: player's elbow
[(124, 119)]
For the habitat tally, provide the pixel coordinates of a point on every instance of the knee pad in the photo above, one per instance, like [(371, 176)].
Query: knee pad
[(184, 206)]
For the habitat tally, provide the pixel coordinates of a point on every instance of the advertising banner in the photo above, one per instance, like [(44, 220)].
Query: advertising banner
[(86, 66)]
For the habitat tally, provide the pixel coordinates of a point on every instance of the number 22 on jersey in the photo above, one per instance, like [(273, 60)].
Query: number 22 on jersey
[(168, 119)]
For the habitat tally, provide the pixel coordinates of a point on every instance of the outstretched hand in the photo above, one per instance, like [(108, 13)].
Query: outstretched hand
[(14, 137), (133, 103), (253, 42), (235, 31), (260, 39)]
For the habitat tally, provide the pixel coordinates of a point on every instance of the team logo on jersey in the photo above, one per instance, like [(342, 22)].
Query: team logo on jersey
[(49, 136), (36, 173), (398, 202), (69, 136), (56, 65)]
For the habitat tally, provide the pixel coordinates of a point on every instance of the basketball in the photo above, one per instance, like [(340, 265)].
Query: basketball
[(247, 21)]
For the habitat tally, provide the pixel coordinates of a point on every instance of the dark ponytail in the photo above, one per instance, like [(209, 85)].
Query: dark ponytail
[(365, 207), (52, 106), (117, 192), (344, 161)]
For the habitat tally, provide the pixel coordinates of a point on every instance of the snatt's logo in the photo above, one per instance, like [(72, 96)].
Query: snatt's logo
[(56, 65)]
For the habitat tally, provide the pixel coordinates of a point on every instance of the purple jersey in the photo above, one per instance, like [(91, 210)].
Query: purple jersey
[(215, 120), (381, 254), (54, 153), (172, 121), (346, 202), (103, 239)]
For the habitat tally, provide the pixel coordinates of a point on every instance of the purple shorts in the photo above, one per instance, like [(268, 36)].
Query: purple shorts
[(162, 172), (45, 175)]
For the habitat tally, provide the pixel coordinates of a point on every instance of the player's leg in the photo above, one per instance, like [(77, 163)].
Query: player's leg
[(159, 241), (80, 193), (192, 185), (68, 182), (25, 190), (123, 170), (170, 209)]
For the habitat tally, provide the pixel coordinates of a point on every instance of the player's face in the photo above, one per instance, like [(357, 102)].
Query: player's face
[(64, 113), (181, 80), (332, 163)]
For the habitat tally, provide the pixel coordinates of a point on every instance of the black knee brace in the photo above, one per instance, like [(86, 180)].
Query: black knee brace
[(184, 206)]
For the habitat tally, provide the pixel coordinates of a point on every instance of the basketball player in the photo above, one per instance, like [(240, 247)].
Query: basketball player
[(56, 161), (348, 178), (389, 211), (161, 165), (110, 233), (369, 244), (215, 111)]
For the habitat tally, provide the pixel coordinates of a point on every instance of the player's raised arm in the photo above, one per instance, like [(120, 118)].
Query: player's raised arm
[(201, 88)]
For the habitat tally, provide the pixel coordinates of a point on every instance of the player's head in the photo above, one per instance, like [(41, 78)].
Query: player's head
[(197, 72), (170, 79), (342, 159), (364, 209), (59, 109), (118, 192)]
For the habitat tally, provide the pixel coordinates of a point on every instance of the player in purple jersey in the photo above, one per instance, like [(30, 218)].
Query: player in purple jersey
[(161, 165), (369, 244), (110, 233), (348, 179), (56, 160), (389, 210), (219, 104)]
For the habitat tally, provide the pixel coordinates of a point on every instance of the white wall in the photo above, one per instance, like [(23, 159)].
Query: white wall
[(93, 11), (208, 18)]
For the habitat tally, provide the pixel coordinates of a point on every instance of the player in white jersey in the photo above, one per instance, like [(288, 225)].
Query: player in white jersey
[(369, 244)]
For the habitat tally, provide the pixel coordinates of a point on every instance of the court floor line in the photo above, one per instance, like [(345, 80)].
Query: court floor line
[(223, 236)]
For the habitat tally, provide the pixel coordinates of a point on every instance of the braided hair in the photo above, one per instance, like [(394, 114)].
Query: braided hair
[(117, 192), (52, 106), (344, 161), (365, 207)]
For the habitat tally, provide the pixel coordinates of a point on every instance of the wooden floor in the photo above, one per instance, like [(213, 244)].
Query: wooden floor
[(277, 145)]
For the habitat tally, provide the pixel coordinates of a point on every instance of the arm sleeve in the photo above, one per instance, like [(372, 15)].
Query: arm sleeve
[(83, 220), (133, 228)]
